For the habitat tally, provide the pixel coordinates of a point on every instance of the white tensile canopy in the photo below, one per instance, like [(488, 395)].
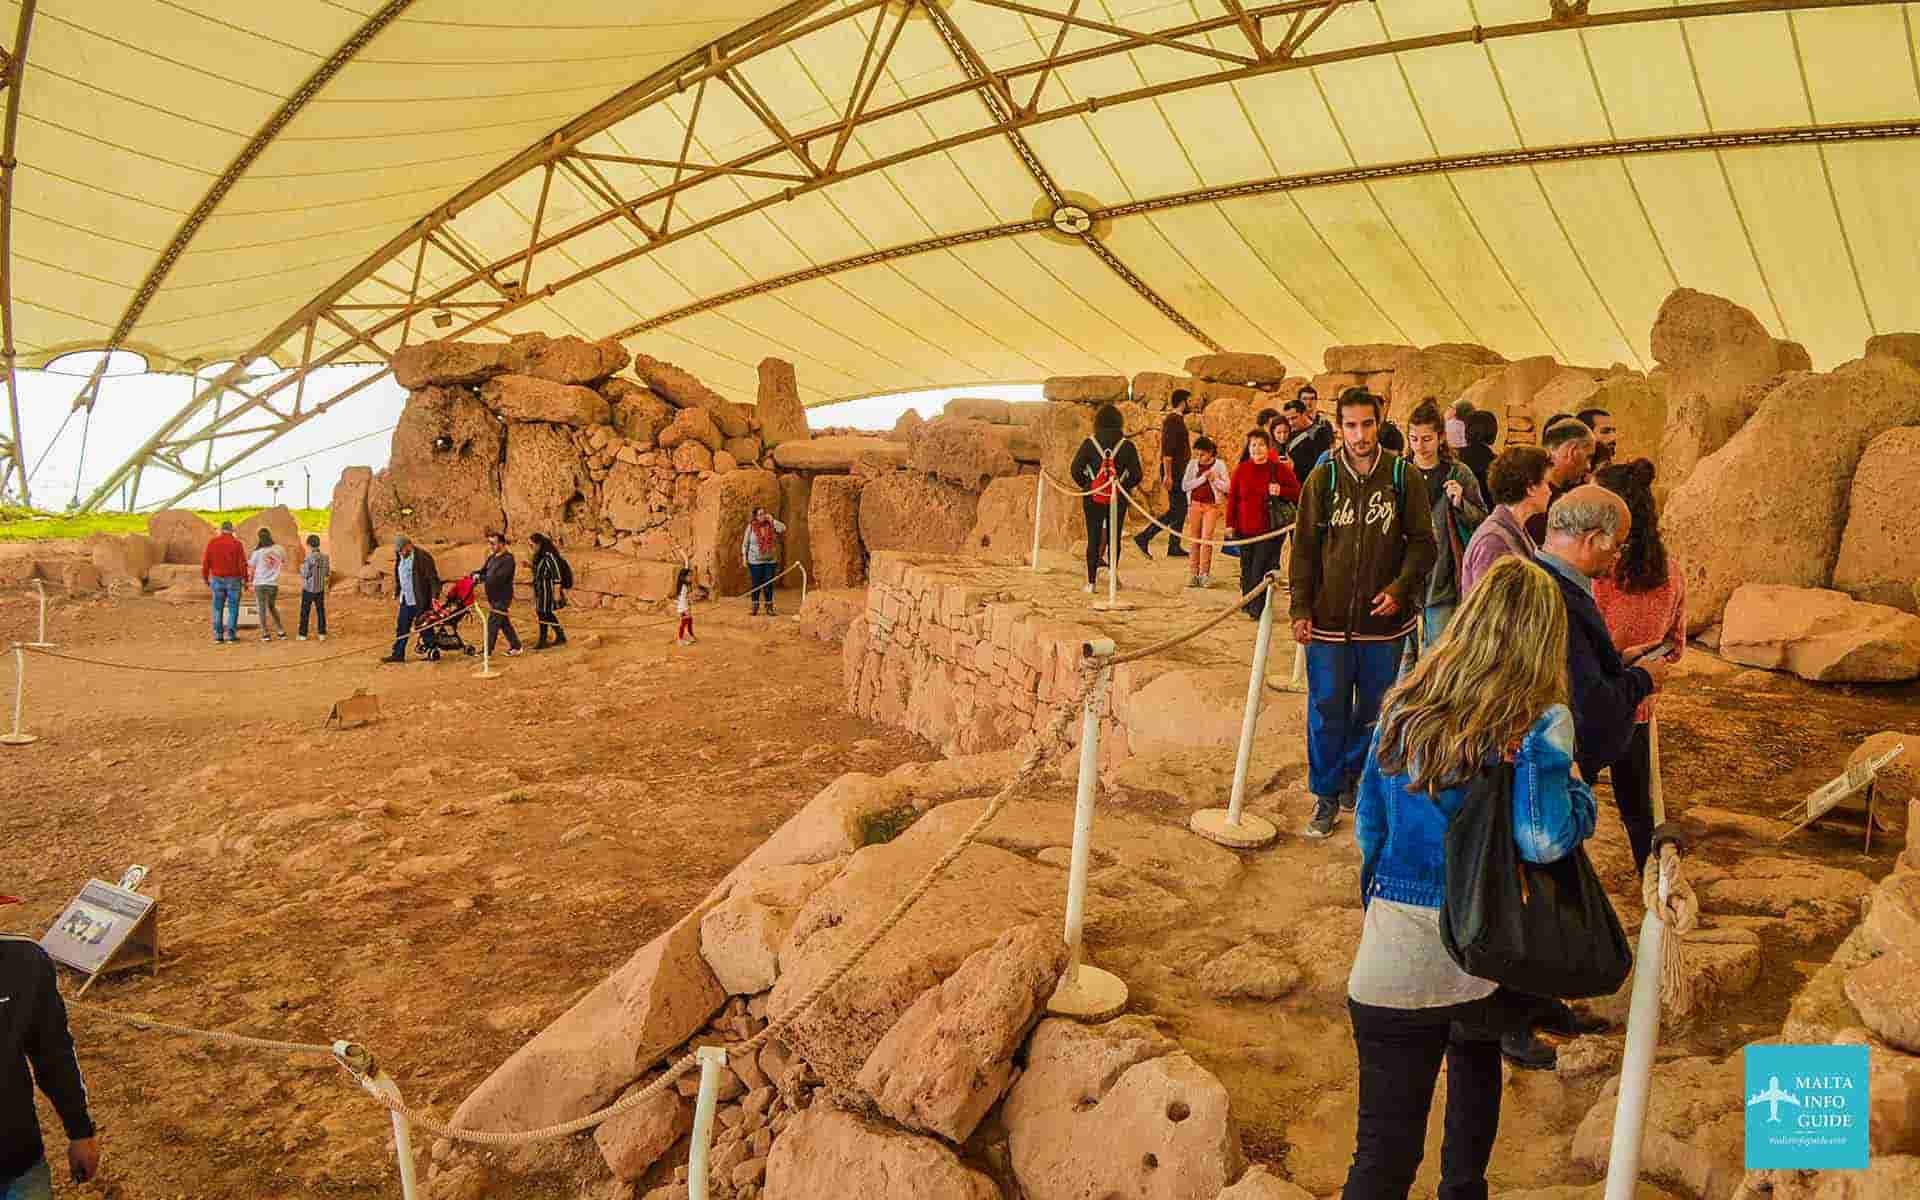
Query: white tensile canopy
[(903, 195)]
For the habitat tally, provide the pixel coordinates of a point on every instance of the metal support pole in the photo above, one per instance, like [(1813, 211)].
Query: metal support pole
[(486, 670), (1116, 510), (1231, 827), (362, 1067), (43, 644), (712, 1060), (1086, 993), (16, 738), (1039, 502)]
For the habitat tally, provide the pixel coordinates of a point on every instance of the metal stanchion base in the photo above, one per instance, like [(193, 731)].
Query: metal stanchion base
[(1089, 995), (39, 645), (1114, 606), (488, 673), (18, 739), (1215, 825)]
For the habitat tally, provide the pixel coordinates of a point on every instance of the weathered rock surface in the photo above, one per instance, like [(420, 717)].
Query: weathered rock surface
[(635, 411), (1085, 389), (1260, 1184), (80, 578), (544, 484), (1363, 359), (1436, 373), (1898, 782), (635, 1140), (979, 408), (1508, 393), (448, 363), (783, 418), (904, 425), (1879, 557), (1250, 972), (1003, 522), (828, 1152), (1714, 351), (1883, 990), (656, 1000), (741, 936), (1904, 347), (525, 398), (827, 613), (833, 525), (692, 458), (835, 454), (286, 535), (1892, 922), (349, 527), (682, 390), (442, 481), (566, 359), (1693, 1140), (1236, 368), (903, 510), (966, 453), (949, 1057), (1118, 1110), (1638, 404), (124, 559), (795, 512), (1730, 523), (746, 451), (1820, 635), (1893, 1113), (691, 425), (725, 505), (182, 536)]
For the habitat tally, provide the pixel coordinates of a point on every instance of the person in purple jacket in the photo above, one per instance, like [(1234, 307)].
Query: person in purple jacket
[(1518, 485)]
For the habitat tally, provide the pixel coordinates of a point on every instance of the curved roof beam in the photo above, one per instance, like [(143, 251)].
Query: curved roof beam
[(474, 284), (15, 67)]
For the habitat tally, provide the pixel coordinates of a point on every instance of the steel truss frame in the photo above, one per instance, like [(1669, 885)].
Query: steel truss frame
[(474, 292), (13, 64)]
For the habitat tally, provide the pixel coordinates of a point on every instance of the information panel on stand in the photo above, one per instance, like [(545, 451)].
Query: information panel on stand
[(97, 925)]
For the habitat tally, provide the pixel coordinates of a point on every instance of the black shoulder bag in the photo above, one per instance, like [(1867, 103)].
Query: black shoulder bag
[(1546, 929)]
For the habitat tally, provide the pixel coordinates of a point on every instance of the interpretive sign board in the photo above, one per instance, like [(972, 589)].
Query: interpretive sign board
[(105, 929), (1824, 798)]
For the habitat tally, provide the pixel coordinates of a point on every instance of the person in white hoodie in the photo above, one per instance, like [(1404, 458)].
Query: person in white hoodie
[(1205, 484), (263, 572)]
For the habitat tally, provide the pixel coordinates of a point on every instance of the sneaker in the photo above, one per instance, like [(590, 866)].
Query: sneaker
[(1178, 554), (1325, 810), (1563, 1020), (303, 637), (283, 637), (265, 638), (1350, 796), (1527, 1052), (1193, 581), (389, 659), (755, 612), (1088, 589), (1140, 540), (1206, 581), (513, 652), (323, 637), (219, 641), (770, 611)]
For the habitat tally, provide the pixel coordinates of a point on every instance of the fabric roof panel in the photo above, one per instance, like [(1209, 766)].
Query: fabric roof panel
[(1646, 79), (1859, 64), (1602, 216), (918, 309), (1126, 315), (776, 320), (1874, 186), (1229, 315), (1373, 111), (1350, 221), (1274, 229), (121, 186), (1459, 97), (1203, 235), (1549, 89), (1286, 110), (200, 67), (921, 350), (1016, 269), (1693, 213), (1789, 212), (1730, 53), (1216, 136), (1000, 306), (293, 27)]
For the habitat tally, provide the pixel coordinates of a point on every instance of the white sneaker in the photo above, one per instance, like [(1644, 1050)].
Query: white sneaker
[(303, 637), (1088, 589), (323, 637)]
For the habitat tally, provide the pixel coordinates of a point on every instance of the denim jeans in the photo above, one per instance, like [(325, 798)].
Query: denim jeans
[(36, 1184), (1400, 1052), (1174, 518), (762, 574), (314, 603), (1345, 683), (403, 628), (226, 599)]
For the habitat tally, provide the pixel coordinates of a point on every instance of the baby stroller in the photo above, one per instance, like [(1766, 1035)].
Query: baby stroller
[(443, 620)]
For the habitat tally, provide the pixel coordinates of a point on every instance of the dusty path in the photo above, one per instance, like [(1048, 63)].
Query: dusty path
[(441, 884)]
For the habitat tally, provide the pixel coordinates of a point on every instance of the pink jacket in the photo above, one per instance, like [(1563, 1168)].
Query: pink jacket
[(1498, 536)]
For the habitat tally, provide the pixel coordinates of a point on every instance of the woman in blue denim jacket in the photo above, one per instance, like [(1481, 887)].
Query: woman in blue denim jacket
[(1493, 687)]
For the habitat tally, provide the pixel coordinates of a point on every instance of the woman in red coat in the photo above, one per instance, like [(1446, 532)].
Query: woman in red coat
[(1261, 478)]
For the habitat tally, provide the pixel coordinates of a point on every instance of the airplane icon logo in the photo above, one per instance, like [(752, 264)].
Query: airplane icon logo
[(1773, 1098)]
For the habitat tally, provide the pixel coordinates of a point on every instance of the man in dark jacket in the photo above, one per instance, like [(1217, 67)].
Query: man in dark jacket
[(416, 585), (1585, 529), (1362, 551), (1109, 454), (1309, 435), (496, 580), (1174, 453), (35, 1047), (1570, 444)]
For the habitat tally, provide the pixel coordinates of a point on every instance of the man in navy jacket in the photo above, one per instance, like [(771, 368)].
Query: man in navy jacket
[(35, 1047), (1585, 530)]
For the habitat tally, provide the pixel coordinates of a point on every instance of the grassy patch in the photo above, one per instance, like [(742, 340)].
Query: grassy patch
[(31, 525), (878, 828)]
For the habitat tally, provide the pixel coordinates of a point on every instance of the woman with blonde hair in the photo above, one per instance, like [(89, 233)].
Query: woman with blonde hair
[(1493, 688)]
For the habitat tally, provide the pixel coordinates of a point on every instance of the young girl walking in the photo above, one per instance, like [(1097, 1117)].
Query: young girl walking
[(683, 603)]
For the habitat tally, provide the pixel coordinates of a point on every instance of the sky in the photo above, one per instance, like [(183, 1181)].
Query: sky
[(307, 461)]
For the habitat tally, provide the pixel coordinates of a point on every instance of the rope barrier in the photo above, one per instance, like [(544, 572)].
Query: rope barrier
[(1218, 543), (1679, 910), (1169, 643), (206, 1035)]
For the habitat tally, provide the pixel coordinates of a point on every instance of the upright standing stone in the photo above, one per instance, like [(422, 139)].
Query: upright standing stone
[(350, 528), (782, 417), (833, 528)]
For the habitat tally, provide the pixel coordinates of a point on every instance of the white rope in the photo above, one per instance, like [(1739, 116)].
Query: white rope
[(1221, 543)]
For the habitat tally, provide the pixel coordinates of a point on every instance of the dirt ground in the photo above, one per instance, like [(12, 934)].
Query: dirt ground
[(440, 884)]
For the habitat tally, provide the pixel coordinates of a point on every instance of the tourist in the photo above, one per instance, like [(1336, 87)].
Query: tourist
[(1173, 469), (760, 547), (416, 584), (1106, 460), (1457, 414), (1205, 484), (683, 604), (1309, 434), (1483, 429), (496, 580), (1569, 443), (223, 566), (37, 1047), (1517, 484), (263, 572), (1363, 549), (1585, 530), (552, 576), (1265, 420), (1458, 510), (314, 570), (1644, 603), (1606, 434), (1261, 498), (1495, 687)]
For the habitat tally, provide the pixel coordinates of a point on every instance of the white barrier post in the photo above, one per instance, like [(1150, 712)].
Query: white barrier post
[(712, 1059), (1116, 511), (1086, 993), (486, 670), (1643, 1017), (363, 1068), (1230, 826), (16, 738), (42, 644), (1039, 502)]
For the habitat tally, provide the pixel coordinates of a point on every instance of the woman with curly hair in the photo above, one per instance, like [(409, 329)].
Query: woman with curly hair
[(1643, 601)]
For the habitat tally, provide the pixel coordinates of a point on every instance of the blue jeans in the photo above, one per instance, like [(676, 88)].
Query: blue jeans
[(763, 574), (36, 1184), (403, 628), (226, 597), (1345, 684)]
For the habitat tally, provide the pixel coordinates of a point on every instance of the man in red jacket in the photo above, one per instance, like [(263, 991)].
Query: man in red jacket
[(223, 564), (1263, 476)]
